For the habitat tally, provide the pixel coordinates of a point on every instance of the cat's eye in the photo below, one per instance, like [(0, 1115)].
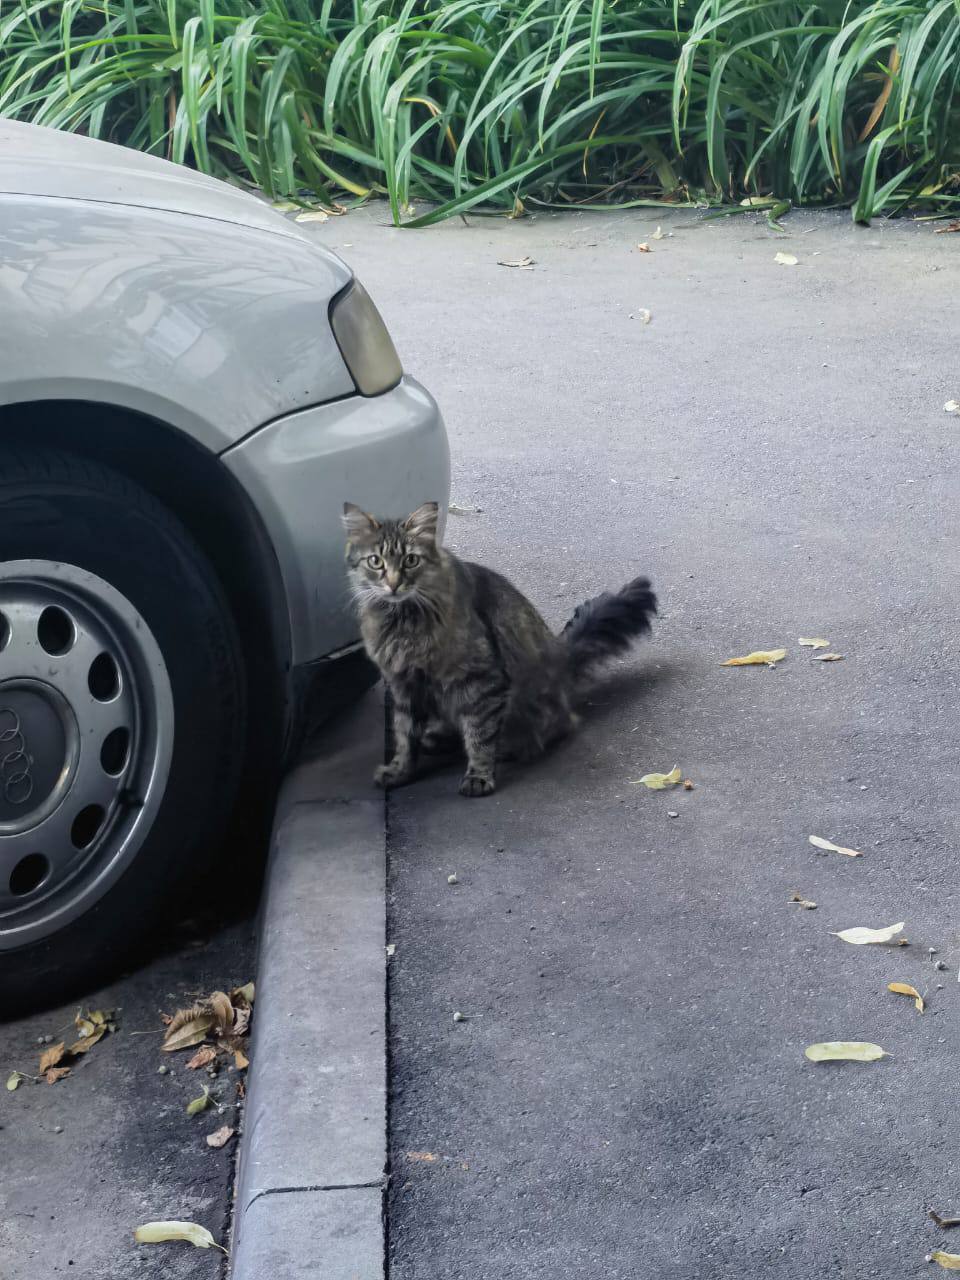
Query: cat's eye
[(375, 562), (411, 561)]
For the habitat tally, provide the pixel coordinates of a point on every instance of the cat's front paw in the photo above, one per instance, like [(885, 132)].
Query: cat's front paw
[(477, 784), (391, 775)]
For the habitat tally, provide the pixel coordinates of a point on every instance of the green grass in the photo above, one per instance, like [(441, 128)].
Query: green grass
[(493, 107)]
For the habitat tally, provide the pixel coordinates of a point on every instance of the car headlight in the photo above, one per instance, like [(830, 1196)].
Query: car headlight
[(364, 343)]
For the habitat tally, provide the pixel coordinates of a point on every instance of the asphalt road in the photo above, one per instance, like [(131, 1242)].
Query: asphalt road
[(86, 1160), (628, 1096)]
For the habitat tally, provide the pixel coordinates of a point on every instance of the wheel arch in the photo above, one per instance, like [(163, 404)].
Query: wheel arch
[(192, 482)]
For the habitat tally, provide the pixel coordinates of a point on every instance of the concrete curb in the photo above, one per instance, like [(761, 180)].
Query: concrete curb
[(309, 1198)]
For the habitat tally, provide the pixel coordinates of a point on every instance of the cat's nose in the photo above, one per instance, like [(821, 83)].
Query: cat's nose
[(393, 582)]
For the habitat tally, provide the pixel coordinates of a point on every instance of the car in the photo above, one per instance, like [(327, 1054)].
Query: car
[(190, 387)]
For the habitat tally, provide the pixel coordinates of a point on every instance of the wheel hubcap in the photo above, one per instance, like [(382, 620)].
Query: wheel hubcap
[(86, 724)]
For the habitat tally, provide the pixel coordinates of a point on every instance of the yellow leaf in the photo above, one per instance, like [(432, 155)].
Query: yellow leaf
[(785, 259), (844, 1051), (827, 657), (50, 1057), (860, 936), (659, 781), (949, 1261), (241, 1061), (819, 843), (88, 1039), (199, 1104), (658, 234), (759, 658), (190, 1232), (14, 1080), (754, 202), (904, 989), (245, 993), (813, 643), (312, 215)]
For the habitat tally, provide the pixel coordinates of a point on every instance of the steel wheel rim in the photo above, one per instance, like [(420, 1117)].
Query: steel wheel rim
[(86, 737)]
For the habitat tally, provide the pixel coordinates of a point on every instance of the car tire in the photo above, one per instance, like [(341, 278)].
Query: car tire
[(122, 721)]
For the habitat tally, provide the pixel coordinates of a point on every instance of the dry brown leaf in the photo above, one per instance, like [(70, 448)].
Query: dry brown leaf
[(53, 1074), (802, 901), (951, 226), (827, 657), (759, 658), (949, 1261), (50, 1057), (644, 248), (860, 936), (202, 1058), (241, 1020), (844, 1051), (687, 784), (244, 994), (240, 1060), (188, 1027), (525, 263), (819, 843), (220, 1137), (426, 1157), (893, 66), (904, 989), (813, 642), (88, 1041), (945, 1224), (222, 1010)]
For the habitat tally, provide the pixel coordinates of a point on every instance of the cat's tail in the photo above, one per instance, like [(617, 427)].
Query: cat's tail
[(607, 625)]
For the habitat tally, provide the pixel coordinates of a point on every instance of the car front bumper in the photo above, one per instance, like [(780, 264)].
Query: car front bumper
[(386, 453)]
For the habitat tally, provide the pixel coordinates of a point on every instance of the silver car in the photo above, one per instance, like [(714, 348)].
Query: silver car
[(189, 389)]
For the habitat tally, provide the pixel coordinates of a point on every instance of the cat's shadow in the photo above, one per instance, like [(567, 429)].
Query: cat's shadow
[(621, 693)]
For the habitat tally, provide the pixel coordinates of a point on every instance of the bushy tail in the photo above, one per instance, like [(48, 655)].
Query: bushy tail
[(608, 624)]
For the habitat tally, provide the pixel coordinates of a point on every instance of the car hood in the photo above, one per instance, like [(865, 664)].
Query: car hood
[(35, 161)]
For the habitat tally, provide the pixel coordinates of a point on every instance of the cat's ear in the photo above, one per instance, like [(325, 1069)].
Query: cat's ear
[(422, 523), (357, 523)]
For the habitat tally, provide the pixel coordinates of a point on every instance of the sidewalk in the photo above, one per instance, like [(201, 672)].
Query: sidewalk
[(628, 1096)]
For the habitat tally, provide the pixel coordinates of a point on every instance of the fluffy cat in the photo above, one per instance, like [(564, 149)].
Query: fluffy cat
[(466, 657)]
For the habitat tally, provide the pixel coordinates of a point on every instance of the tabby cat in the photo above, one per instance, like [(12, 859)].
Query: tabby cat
[(466, 657)]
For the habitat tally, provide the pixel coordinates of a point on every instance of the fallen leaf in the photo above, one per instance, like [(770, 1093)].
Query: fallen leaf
[(427, 1157), (658, 234), (456, 509), (220, 1137), (53, 1074), (241, 1020), (819, 843), (952, 406), (861, 936), (189, 1232), (814, 643), (944, 1224), (188, 1027), (904, 989), (284, 206), (15, 1079), (391, 949), (844, 1051), (525, 263), (88, 1040), (312, 215), (949, 1261), (246, 993), (644, 316), (759, 658), (659, 781), (644, 248), (202, 1058), (785, 259), (240, 1060), (827, 657), (750, 202), (687, 784), (803, 902), (223, 1012), (50, 1057), (951, 226), (199, 1104)]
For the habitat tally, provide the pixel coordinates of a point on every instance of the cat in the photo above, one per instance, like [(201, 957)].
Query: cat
[(466, 657)]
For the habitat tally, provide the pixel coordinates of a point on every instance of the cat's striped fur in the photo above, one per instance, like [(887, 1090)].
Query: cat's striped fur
[(467, 657)]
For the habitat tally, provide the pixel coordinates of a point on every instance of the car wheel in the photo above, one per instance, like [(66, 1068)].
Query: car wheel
[(122, 720)]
